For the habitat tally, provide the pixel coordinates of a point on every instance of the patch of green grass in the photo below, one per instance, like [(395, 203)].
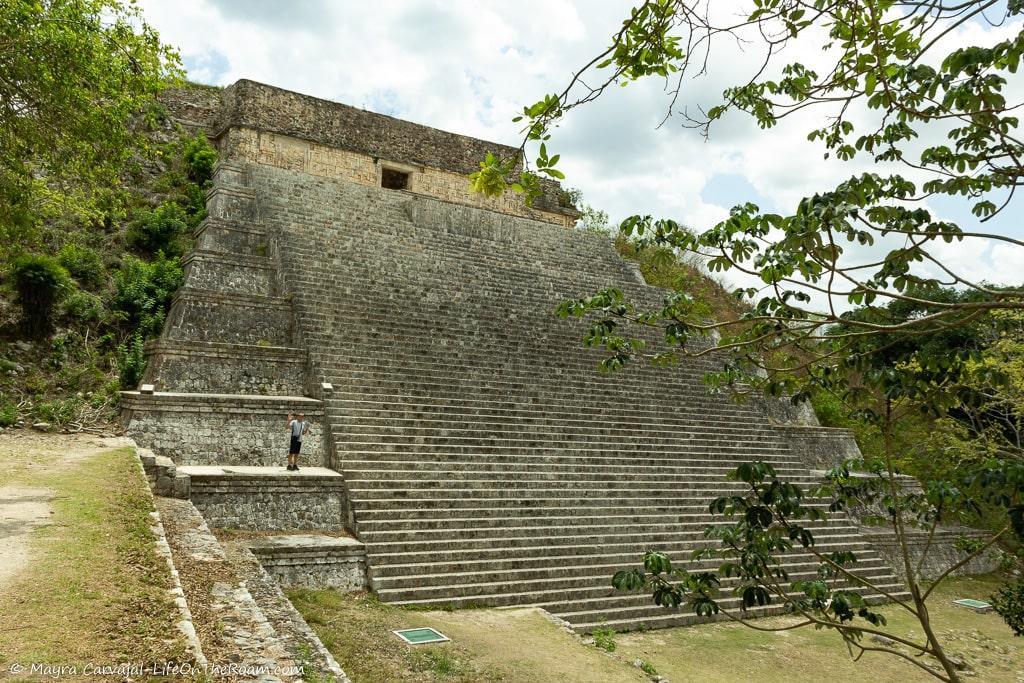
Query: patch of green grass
[(721, 652), (648, 668), (604, 638), (440, 662), (95, 590), (515, 646)]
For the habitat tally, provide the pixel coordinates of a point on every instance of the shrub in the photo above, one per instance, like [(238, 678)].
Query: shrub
[(199, 157), (41, 283), (604, 638), (1009, 603), (162, 229), (84, 264), (57, 412), (83, 306), (8, 412), (131, 361), (143, 291)]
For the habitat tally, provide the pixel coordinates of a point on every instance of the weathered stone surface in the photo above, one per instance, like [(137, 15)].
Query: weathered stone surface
[(820, 447), (940, 553), (230, 273), (222, 429), (475, 437), (203, 315), (268, 498), (334, 134), (313, 561), (230, 237), (209, 367)]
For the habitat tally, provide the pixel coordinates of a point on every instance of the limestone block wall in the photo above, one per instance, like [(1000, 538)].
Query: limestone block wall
[(282, 504), (295, 154), (941, 553), (324, 562), (224, 368), (227, 430), (214, 234), (198, 315), (820, 448), (230, 273)]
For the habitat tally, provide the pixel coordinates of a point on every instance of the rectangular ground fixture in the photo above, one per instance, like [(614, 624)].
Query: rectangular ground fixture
[(421, 636), (976, 605)]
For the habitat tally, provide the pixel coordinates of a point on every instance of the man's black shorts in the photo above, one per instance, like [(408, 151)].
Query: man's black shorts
[(296, 445)]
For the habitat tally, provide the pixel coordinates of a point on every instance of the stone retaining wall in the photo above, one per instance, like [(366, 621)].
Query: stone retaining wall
[(313, 561), (215, 234), (225, 368), (262, 504), (941, 552), (227, 430), (820, 448), (230, 273), (199, 315)]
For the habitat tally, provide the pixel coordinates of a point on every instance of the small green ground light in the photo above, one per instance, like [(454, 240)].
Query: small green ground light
[(421, 636), (976, 605)]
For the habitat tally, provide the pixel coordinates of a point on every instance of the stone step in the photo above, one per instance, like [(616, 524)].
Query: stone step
[(373, 505), (402, 489), (398, 469), (343, 402), (539, 381), (597, 571), (636, 618), (535, 447), (440, 517), (312, 561), (533, 591), (604, 527), (679, 547), (509, 519), (359, 357), (366, 439), (496, 276), (517, 416), (352, 424), (563, 556), (787, 468), (534, 538)]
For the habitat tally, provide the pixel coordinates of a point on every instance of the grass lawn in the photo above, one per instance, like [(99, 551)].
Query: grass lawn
[(732, 652), (514, 645), (521, 645), (94, 590)]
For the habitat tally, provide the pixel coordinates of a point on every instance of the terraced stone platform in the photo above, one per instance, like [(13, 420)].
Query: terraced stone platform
[(465, 436)]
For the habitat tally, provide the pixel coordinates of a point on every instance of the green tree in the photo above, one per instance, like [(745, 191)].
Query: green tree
[(887, 86), (76, 73)]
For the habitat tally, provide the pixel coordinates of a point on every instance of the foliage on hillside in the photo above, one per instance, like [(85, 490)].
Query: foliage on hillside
[(75, 77), (112, 276), (661, 266)]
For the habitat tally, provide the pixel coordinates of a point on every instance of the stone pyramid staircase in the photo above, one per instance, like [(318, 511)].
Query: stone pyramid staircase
[(485, 461), (228, 368)]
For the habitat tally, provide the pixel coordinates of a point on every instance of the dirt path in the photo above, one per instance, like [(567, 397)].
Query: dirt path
[(24, 456)]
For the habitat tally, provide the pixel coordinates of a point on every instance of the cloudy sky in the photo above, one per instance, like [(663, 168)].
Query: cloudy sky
[(470, 67)]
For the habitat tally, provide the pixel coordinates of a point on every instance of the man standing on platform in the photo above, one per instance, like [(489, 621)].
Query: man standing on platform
[(298, 427)]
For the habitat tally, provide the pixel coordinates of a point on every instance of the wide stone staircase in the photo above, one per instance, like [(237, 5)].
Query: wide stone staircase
[(485, 459)]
